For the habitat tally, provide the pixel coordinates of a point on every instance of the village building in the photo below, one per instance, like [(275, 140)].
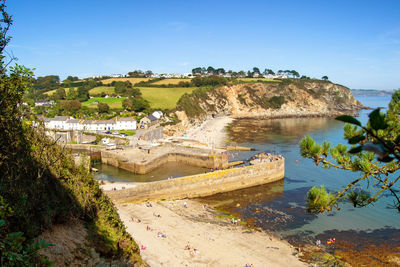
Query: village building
[(87, 125), (44, 103), (58, 122), (147, 122), (158, 114), (73, 124), (67, 123), (125, 124), (105, 125)]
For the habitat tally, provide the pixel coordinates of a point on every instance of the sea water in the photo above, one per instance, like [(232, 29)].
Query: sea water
[(284, 212)]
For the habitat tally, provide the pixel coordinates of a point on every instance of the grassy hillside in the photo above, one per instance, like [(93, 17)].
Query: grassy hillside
[(172, 81), (113, 102), (101, 89), (50, 92), (164, 98), (132, 80)]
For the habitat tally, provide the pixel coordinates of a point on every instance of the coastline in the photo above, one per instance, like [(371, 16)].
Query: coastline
[(211, 131), (213, 241)]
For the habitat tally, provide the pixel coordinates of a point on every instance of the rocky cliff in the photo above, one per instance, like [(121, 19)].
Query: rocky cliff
[(289, 97)]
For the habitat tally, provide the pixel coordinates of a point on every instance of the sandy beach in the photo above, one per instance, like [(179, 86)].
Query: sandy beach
[(171, 234), (211, 131)]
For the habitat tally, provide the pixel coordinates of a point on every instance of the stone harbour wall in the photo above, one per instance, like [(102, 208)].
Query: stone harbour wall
[(202, 184), (140, 167)]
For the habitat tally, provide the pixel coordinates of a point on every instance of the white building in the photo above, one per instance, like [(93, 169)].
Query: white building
[(67, 123), (106, 125), (125, 124), (44, 103), (74, 124), (58, 122), (87, 125), (158, 114)]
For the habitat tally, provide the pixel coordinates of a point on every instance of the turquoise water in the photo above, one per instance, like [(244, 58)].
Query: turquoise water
[(285, 212), (280, 207)]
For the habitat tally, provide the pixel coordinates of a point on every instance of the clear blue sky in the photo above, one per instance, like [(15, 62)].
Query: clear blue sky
[(354, 43)]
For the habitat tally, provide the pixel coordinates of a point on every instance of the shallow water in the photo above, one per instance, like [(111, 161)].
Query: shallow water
[(285, 212), (171, 169)]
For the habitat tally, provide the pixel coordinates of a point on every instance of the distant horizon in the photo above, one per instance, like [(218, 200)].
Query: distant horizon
[(356, 44)]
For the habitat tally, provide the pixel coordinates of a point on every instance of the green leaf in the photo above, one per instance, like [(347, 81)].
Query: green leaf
[(377, 120), (355, 150), (397, 141), (354, 140), (349, 119)]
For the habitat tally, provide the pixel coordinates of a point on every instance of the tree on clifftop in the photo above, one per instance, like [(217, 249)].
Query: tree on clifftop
[(374, 153), (325, 78), (103, 108)]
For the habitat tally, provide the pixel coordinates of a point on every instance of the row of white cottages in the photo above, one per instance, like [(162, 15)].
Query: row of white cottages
[(69, 123)]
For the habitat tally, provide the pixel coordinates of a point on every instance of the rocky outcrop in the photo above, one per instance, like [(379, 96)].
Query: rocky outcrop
[(282, 98)]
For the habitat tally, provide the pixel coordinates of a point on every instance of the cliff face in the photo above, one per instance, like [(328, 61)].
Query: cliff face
[(281, 98)]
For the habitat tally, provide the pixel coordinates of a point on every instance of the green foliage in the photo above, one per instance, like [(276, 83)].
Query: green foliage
[(318, 199), (274, 102), (83, 94), (40, 184), (374, 152), (133, 92), (14, 247), (213, 80), (72, 94), (121, 87), (242, 99), (103, 108), (47, 83), (137, 104), (69, 107), (190, 103)]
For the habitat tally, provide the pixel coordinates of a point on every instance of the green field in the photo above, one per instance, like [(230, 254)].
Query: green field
[(100, 89), (113, 102), (164, 98), (172, 81), (49, 93)]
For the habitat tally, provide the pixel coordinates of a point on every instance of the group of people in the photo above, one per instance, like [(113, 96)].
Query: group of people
[(235, 221), (265, 158), (330, 241), (191, 250)]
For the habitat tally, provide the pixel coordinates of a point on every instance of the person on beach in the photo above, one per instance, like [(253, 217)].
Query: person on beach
[(185, 204), (187, 247)]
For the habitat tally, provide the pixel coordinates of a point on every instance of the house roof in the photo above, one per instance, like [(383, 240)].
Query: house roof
[(87, 121), (105, 122), (60, 118), (73, 121), (151, 118)]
